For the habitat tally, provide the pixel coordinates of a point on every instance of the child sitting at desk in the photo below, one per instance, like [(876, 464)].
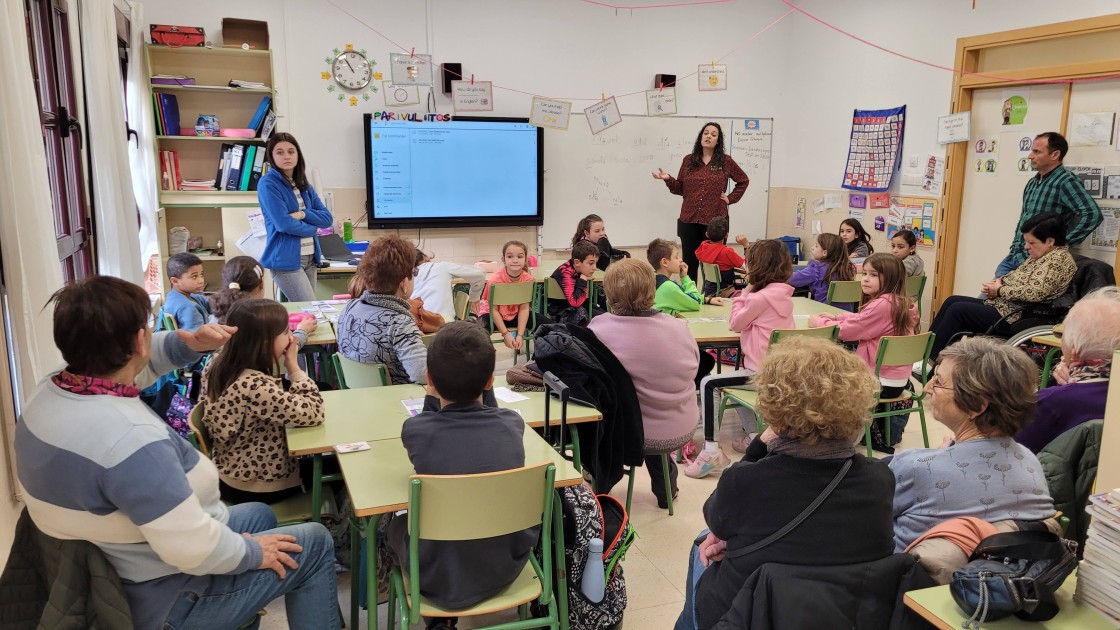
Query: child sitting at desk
[(433, 284), (511, 321), (243, 279), (378, 327), (185, 302), (247, 407), (463, 437), (674, 297), (574, 277), (592, 228), (765, 305), (715, 251), (829, 263), (888, 310)]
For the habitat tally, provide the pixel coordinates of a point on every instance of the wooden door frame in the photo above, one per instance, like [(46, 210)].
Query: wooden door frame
[(966, 80)]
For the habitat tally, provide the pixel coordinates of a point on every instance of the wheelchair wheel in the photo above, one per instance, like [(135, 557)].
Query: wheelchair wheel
[(1024, 336)]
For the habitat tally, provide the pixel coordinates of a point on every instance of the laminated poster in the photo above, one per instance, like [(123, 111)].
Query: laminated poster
[(546, 112), (875, 148), (472, 96), (603, 115)]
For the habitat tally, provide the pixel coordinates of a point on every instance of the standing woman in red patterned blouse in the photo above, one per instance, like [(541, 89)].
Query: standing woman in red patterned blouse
[(702, 182)]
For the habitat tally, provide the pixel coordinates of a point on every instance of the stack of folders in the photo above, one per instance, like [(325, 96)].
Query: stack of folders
[(166, 108), (1098, 576), (240, 167)]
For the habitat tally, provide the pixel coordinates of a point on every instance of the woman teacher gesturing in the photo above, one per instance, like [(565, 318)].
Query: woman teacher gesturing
[(702, 182)]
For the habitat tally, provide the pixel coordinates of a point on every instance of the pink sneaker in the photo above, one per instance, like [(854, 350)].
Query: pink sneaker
[(706, 464)]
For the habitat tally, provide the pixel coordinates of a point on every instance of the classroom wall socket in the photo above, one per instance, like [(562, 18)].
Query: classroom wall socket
[(450, 72)]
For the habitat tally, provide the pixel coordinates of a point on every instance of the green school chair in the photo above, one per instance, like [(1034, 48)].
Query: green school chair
[(709, 272), (474, 507), (844, 292), (915, 287), (668, 483), (167, 322), (511, 294), (895, 351), (428, 339), (742, 397), (294, 509), (462, 305), (554, 292), (353, 375)]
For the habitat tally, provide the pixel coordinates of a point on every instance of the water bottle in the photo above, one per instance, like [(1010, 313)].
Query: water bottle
[(592, 584), (348, 232)]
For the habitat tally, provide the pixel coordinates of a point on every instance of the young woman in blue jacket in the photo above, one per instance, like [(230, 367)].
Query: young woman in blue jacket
[(292, 214)]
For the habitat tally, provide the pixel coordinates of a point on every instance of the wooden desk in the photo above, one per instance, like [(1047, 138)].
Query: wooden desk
[(378, 482), (325, 333), (371, 414), (1054, 343), (936, 606)]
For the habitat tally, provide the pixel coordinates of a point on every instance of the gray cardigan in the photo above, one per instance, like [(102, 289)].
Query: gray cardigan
[(379, 328)]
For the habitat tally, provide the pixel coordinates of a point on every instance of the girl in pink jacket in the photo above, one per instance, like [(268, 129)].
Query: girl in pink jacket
[(766, 304), (887, 310)]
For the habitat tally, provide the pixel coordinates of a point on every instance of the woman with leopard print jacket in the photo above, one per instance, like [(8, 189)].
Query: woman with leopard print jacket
[(247, 406)]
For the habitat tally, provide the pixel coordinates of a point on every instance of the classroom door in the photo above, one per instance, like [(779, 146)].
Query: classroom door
[(992, 195)]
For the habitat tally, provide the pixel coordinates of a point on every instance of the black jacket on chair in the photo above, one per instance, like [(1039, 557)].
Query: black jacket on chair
[(595, 377), (867, 596), (59, 584)]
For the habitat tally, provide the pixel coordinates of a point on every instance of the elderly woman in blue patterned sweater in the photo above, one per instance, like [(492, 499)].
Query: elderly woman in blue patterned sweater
[(984, 391)]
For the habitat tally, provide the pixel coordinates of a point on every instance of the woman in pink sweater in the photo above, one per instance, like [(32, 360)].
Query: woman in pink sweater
[(766, 304), (661, 356), (887, 310)]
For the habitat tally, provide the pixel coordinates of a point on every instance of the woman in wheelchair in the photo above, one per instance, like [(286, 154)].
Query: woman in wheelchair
[(1043, 277)]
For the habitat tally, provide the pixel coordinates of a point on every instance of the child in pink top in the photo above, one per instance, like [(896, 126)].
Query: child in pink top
[(887, 311), (513, 319), (765, 305)]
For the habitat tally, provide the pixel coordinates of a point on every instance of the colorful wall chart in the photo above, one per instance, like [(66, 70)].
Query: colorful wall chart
[(875, 151)]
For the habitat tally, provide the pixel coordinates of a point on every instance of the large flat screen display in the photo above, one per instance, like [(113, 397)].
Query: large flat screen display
[(468, 171)]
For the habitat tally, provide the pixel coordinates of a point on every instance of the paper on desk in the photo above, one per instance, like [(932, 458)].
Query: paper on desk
[(413, 406), (506, 394), (700, 320), (325, 302)]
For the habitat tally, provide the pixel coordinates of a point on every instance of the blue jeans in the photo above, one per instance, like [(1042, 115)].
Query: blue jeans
[(310, 594), (298, 285), (1006, 266), (687, 620)]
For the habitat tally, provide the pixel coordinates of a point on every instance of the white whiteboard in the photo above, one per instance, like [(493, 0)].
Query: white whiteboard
[(609, 175)]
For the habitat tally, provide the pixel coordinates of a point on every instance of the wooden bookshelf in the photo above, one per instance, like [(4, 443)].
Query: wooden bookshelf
[(214, 214)]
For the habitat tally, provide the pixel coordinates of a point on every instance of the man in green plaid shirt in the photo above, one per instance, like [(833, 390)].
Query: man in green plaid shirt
[(1053, 189)]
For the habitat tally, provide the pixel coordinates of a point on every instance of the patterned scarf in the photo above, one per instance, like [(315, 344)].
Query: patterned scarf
[(93, 386), (823, 449), (1094, 370)]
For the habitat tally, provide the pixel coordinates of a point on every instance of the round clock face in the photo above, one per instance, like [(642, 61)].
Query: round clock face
[(351, 70)]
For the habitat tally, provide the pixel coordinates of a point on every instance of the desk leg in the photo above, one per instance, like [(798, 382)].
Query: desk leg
[(1047, 366), (355, 566), (559, 567), (371, 572), (316, 486), (577, 460)]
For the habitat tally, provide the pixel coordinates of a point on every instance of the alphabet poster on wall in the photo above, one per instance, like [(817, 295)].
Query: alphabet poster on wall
[(875, 149), (1104, 237)]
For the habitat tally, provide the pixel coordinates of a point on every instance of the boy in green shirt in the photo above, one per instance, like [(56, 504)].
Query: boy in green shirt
[(674, 296)]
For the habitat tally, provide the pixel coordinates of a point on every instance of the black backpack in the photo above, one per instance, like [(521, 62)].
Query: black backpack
[(587, 516)]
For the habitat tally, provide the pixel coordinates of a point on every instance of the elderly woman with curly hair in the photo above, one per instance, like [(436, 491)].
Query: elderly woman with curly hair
[(984, 392), (815, 396)]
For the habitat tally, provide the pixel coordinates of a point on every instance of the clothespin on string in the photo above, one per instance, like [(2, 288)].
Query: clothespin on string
[(472, 78)]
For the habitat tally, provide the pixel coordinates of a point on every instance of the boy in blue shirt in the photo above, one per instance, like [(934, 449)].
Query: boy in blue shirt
[(185, 302)]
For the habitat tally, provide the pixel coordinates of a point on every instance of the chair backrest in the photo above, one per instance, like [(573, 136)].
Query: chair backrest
[(511, 293), (844, 291), (199, 428), (428, 339), (554, 290), (709, 272), (167, 322), (471, 507), (462, 304), (904, 350), (825, 332), (915, 287), (353, 375)]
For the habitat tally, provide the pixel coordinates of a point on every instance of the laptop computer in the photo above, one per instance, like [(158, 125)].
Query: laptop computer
[(332, 247)]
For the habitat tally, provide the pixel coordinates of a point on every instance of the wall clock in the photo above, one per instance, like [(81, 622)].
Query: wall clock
[(351, 76)]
